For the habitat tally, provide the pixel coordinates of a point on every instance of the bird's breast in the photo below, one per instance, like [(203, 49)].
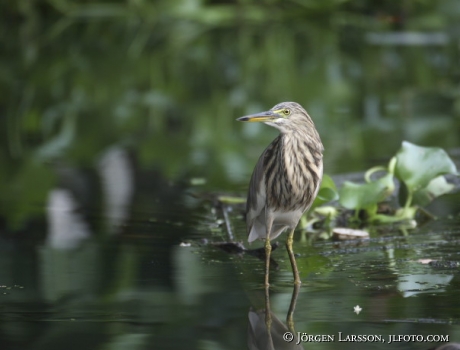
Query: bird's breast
[(293, 180)]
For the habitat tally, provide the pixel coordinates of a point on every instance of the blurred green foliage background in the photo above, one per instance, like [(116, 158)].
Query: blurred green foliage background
[(167, 78)]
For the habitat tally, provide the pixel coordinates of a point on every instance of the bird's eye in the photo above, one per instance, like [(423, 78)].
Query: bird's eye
[(286, 112)]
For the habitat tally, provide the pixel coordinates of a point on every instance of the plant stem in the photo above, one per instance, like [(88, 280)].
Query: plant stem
[(408, 200)]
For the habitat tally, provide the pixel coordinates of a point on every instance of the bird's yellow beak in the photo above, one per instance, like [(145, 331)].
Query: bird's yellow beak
[(259, 117)]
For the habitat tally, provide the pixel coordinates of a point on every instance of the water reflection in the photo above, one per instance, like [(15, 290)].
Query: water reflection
[(267, 332), (117, 179), (410, 285), (65, 261), (66, 226)]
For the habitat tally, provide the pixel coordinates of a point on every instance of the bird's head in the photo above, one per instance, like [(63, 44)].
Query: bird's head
[(285, 116)]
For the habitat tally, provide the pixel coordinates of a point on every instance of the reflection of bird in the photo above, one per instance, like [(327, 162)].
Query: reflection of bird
[(286, 178), (260, 339)]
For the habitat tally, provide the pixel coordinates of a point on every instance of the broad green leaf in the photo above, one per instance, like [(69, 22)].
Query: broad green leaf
[(326, 193), (437, 187), (366, 196), (324, 196), (416, 166), (328, 182)]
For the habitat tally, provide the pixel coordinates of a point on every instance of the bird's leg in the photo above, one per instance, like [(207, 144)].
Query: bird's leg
[(268, 316), (268, 250), (289, 242)]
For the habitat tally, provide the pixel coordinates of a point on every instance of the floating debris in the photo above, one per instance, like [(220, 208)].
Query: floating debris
[(343, 233), (425, 261), (440, 263), (357, 309)]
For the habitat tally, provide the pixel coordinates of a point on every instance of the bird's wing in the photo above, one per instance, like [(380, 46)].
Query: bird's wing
[(255, 204)]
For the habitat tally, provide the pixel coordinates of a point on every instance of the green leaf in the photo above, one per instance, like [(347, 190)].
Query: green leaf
[(326, 193), (327, 210), (436, 187), (366, 196), (328, 182), (416, 166)]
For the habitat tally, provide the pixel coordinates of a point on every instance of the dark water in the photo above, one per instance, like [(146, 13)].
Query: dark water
[(143, 271)]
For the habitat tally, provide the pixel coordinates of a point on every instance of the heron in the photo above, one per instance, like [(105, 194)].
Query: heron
[(285, 180)]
